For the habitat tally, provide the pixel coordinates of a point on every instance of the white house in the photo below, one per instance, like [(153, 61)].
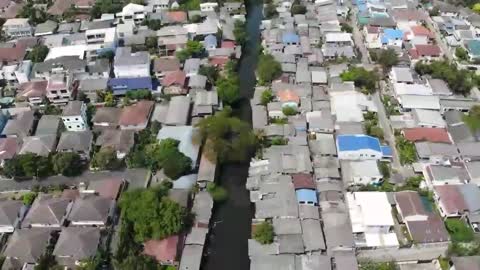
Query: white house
[(361, 172), (74, 116), (371, 218), (358, 147), (209, 6), (128, 64), (18, 27), (17, 73), (100, 41), (133, 12), (339, 39)]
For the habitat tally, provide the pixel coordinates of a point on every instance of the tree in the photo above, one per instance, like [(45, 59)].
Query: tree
[(196, 18), (106, 6), (345, 27), (176, 165), (109, 100), (151, 44), (28, 198), (240, 32), (407, 152), (472, 119), (461, 54), (67, 164), (228, 89), (218, 193), (225, 136), (435, 11), (27, 165), (105, 159), (46, 262), (476, 8), (34, 15), (154, 24), (139, 94), (361, 78), (298, 9), (459, 231), (270, 11), (167, 156), (193, 49), (387, 58), (268, 69), (38, 53), (152, 213), (264, 233), (288, 111), (266, 97), (211, 72)]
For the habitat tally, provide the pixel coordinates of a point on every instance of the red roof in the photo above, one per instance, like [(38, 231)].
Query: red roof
[(33, 89), (136, 114), (425, 50), (8, 148), (228, 44), (438, 135), (451, 198), (177, 16), (15, 54), (288, 95), (373, 29), (303, 180), (218, 60), (419, 30), (164, 251), (174, 78)]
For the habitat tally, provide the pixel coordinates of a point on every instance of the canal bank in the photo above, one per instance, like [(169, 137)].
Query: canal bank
[(227, 246)]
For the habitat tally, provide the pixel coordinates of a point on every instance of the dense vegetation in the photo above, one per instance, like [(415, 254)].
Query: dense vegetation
[(38, 53), (386, 58), (472, 119), (267, 97), (240, 32), (227, 137), (268, 69), (228, 85), (362, 78), (459, 81), (218, 193), (459, 230), (264, 233), (369, 265), (192, 49), (407, 151)]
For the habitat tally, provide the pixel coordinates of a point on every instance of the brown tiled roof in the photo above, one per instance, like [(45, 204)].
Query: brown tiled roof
[(439, 135), (162, 250), (410, 204), (425, 50), (8, 148), (166, 64), (451, 198), (15, 54), (107, 188), (174, 78), (303, 180), (419, 30), (431, 230), (136, 114), (59, 7), (33, 89)]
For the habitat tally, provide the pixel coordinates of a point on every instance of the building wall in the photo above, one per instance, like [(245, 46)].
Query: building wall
[(362, 154), (142, 70)]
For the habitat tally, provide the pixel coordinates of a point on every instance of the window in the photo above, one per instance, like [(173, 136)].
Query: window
[(78, 126), (76, 119), (67, 119), (69, 126)]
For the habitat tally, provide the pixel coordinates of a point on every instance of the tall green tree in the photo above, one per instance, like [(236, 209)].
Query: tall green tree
[(361, 77), (228, 89), (268, 69), (67, 164), (387, 58), (38, 53)]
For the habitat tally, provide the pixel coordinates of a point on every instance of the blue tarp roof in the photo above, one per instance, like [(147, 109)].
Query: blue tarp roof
[(357, 142), (125, 84), (391, 34), (290, 38), (307, 195), (210, 40), (386, 151)]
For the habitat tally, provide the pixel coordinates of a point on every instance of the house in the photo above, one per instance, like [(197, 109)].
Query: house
[(79, 142), (131, 65), (435, 135), (436, 152), (75, 245), (47, 28), (100, 41), (48, 125), (25, 248), (120, 86), (206, 103), (47, 211), (469, 151), (392, 37), (210, 42), (133, 12), (183, 134), (426, 52), (59, 65), (12, 55), (163, 251), (109, 188), (401, 75), (34, 92), (191, 66), (136, 116), (91, 210), (60, 88), (121, 141), (8, 149), (16, 73), (162, 66), (465, 263), (423, 225), (355, 147), (74, 116), (21, 125), (439, 87), (420, 35), (41, 145), (9, 9), (371, 219), (207, 171), (90, 87), (428, 118), (361, 172), (443, 175), (12, 213), (339, 39), (208, 6), (473, 49), (178, 112), (174, 83), (106, 118), (457, 200), (197, 82), (18, 27)]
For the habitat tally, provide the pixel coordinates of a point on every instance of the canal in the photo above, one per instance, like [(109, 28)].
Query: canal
[(227, 247)]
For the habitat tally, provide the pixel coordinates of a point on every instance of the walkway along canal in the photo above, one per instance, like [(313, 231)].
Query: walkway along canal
[(227, 247)]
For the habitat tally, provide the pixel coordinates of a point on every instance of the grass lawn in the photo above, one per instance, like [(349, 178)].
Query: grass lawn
[(459, 231)]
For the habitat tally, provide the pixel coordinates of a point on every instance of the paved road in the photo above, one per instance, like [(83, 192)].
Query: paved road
[(426, 253), (358, 38)]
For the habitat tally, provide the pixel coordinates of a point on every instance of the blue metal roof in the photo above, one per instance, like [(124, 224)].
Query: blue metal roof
[(357, 142), (126, 84), (290, 38), (307, 196), (386, 151), (210, 41), (391, 34)]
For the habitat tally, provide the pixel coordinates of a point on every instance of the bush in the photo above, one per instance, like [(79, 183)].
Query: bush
[(298, 9), (267, 97), (268, 69), (28, 198), (264, 233), (218, 193), (361, 78), (288, 111), (67, 164), (459, 231), (407, 151), (460, 81), (279, 141), (461, 54)]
